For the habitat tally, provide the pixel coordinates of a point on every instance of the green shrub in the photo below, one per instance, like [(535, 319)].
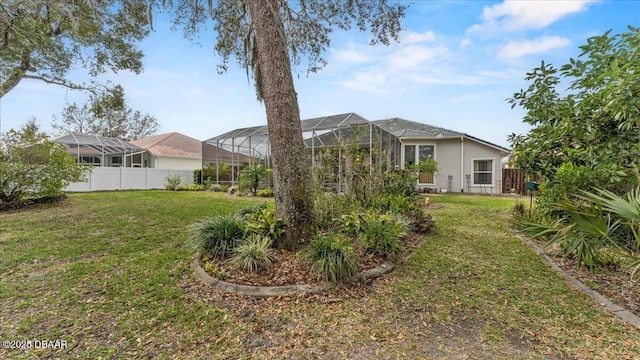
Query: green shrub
[(172, 182), (197, 176), (393, 203), (32, 166), (402, 183), (569, 179), (329, 207), (218, 235), (383, 235), (331, 258), (249, 178), (349, 224), (253, 253), (252, 209), (265, 193), (265, 223), (580, 234), (192, 187)]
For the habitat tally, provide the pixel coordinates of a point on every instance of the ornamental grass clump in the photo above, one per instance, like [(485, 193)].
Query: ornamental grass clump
[(331, 258), (383, 235), (218, 235), (253, 253)]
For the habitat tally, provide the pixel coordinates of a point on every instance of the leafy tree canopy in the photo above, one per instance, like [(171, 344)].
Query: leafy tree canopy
[(106, 115), (307, 27), (43, 39), (596, 125)]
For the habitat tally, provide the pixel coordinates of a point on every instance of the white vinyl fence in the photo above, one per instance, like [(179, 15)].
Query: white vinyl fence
[(122, 178)]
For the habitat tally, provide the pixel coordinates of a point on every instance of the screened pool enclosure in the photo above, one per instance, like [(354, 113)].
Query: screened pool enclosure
[(94, 150), (325, 138)]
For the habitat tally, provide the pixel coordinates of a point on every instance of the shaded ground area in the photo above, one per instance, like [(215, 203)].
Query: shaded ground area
[(109, 273)]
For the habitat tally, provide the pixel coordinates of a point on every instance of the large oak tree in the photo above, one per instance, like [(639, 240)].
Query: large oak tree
[(266, 37), (44, 39)]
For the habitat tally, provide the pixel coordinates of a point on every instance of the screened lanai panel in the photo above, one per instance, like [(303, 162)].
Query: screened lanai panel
[(333, 122), (245, 140), (361, 134), (101, 144), (317, 132)]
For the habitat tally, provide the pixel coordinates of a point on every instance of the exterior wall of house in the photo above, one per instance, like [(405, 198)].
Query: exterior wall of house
[(448, 157), (456, 158), (165, 162), (476, 152)]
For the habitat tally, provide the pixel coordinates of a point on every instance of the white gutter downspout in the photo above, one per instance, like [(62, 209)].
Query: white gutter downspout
[(462, 164)]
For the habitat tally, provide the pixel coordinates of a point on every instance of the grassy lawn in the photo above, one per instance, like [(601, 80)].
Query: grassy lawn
[(109, 274)]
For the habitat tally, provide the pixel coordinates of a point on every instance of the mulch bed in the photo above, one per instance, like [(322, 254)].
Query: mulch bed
[(287, 269)]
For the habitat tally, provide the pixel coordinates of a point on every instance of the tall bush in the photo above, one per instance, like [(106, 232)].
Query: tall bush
[(33, 166), (594, 126)]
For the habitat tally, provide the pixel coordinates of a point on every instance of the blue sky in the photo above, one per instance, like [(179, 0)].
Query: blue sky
[(455, 64)]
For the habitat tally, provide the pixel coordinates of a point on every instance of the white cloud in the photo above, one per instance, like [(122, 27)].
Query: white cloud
[(410, 37), (382, 69), (516, 49), (465, 42), (414, 56), (522, 15), (350, 56)]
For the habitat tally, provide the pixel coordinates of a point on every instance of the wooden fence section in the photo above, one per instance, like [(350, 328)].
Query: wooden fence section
[(513, 179)]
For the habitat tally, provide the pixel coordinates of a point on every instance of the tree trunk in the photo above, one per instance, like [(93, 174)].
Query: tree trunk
[(274, 82)]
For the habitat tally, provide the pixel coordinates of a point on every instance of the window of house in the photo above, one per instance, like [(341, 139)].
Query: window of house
[(409, 154), (90, 160), (483, 172), (415, 153), (116, 161)]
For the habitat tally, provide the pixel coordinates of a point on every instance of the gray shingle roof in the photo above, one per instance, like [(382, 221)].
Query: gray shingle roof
[(407, 129), (410, 129)]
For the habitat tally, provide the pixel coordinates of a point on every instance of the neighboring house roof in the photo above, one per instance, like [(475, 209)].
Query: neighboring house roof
[(406, 129), (172, 145)]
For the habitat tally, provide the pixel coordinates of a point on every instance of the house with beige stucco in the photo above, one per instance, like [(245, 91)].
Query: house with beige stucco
[(466, 163)]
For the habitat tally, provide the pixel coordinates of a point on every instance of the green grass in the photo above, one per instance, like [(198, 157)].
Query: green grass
[(109, 273)]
